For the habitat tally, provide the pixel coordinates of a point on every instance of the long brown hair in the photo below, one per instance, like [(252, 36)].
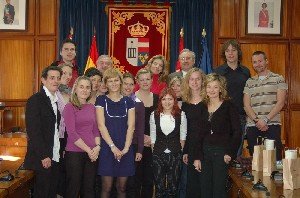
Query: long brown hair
[(176, 110)]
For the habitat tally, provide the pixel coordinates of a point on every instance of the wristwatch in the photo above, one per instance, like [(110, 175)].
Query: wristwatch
[(266, 119), (111, 145)]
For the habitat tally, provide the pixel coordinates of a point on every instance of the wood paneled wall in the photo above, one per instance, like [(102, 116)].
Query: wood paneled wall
[(283, 52), (23, 54)]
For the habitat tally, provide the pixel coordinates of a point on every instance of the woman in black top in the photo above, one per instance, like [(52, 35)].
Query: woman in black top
[(219, 137), (191, 95), (144, 172)]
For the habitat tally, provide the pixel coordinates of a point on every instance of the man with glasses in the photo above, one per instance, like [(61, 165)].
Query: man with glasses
[(187, 62)]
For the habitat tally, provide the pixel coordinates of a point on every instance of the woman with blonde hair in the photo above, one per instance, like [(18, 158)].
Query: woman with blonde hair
[(83, 142), (144, 172), (158, 67), (219, 137), (192, 96), (116, 121)]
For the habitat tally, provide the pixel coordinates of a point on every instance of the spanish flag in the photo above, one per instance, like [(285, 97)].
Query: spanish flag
[(91, 61)]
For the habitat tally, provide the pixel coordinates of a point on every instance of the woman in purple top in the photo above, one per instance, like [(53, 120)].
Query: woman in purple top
[(138, 136), (83, 143), (116, 121)]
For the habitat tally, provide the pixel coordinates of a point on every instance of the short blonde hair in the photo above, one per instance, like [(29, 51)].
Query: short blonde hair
[(186, 92), (113, 73), (143, 71), (223, 86)]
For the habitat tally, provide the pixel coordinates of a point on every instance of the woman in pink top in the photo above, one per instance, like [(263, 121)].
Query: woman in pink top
[(83, 144)]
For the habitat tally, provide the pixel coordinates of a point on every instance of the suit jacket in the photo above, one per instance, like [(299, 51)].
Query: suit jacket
[(40, 124)]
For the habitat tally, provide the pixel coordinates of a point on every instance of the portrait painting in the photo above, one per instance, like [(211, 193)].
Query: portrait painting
[(263, 17), (13, 14)]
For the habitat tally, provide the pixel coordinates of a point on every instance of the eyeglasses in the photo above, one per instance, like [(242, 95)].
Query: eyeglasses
[(185, 58)]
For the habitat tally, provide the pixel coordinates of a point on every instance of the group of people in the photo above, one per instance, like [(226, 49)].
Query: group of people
[(149, 134)]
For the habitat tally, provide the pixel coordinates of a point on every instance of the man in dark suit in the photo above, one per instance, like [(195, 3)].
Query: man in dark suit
[(42, 118), (187, 62), (9, 13)]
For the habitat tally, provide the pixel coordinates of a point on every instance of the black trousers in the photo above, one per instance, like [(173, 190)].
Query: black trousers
[(144, 175), (81, 174), (166, 169), (193, 184), (131, 186), (214, 173), (274, 133), (46, 183)]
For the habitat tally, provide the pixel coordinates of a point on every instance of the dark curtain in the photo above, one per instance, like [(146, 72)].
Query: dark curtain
[(84, 15)]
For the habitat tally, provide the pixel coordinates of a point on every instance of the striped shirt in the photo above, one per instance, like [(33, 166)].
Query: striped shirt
[(263, 95)]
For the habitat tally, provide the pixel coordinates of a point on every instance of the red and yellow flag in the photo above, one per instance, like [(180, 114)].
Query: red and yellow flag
[(180, 48), (91, 61)]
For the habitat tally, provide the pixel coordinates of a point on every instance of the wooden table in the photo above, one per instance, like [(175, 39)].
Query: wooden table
[(243, 187), (15, 145)]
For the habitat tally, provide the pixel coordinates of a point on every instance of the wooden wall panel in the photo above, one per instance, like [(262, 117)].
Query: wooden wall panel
[(276, 54), (17, 68), (294, 138), (226, 20), (295, 74), (13, 117), (46, 52), (23, 54), (295, 19), (46, 17)]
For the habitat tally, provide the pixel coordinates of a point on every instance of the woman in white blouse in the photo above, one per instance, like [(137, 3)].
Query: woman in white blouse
[(168, 133)]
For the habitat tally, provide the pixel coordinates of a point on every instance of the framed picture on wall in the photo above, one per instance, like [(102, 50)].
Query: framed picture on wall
[(13, 15), (264, 17)]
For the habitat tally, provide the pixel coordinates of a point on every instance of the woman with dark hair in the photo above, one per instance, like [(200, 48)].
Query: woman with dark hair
[(83, 142), (168, 134), (219, 137), (138, 136), (96, 78)]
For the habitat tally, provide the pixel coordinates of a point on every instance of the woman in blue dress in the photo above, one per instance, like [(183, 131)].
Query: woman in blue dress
[(116, 120)]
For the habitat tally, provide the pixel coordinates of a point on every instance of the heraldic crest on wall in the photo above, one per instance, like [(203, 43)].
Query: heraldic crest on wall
[(136, 34)]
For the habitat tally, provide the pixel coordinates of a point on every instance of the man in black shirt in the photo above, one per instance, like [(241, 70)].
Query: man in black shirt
[(236, 76)]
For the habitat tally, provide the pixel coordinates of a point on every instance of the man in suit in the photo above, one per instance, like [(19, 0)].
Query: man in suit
[(9, 13), (42, 121), (187, 62)]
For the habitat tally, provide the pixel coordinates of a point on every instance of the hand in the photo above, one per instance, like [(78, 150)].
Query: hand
[(138, 157), (117, 153), (197, 164), (185, 158), (95, 153), (147, 141), (261, 124), (46, 163), (227, 159), (91, 154)]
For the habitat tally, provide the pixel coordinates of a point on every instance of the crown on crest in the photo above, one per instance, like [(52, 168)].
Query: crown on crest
[(138, 30)]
